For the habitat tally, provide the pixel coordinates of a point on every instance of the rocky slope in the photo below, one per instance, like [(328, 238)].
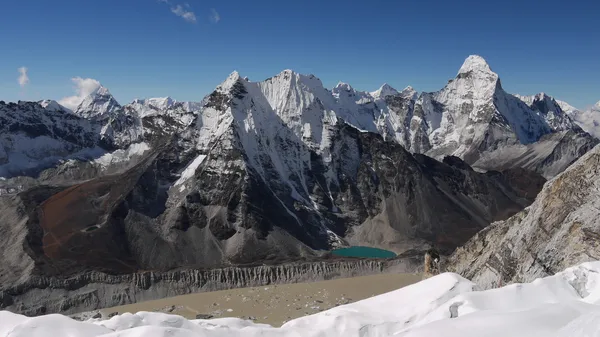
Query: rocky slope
[(559, 229), (232, 210)]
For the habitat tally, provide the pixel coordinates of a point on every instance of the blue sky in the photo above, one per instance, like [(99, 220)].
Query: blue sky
[(149, 48)]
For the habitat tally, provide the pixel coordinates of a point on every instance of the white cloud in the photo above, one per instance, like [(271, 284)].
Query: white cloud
[(187, 15), (83, 87), (589, 120), (183, 12), (214, 16), (23, 78)]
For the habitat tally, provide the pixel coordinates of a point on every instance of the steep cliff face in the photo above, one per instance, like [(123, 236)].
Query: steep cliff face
[(558, 230)]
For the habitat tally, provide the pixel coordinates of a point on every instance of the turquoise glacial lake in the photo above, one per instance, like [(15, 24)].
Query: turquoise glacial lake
[(360, 251)]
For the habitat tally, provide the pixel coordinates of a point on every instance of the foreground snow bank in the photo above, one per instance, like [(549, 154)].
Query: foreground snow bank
[(566, 304)]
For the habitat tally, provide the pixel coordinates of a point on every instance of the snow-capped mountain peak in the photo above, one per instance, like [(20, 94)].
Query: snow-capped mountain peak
[(101, 91), (542, 98), (409, 92), (157, 105), (383, 91), (52, 105), (161, 103), (526, 99), (343, 86), (346, 96), (229, 82), (99, 103), (476, 64)]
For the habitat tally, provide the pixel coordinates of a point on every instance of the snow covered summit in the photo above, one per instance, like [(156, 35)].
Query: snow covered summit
[(383, 91), (98, 104), (52, 105), (475, 63)]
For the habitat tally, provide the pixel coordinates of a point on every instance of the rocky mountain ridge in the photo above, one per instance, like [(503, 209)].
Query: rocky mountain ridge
[(472, 118), (271, 171), (588, 119), (559, 229)]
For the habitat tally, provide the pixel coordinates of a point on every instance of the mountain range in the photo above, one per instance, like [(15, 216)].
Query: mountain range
[(472, 118), (270, 171)]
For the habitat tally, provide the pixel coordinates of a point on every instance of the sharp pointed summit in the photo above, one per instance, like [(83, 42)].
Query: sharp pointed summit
[(97, 104), (409, 92), (383, 91), (233, 78), (475, 63), (102, 91)]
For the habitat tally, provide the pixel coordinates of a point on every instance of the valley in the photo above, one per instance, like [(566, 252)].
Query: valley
[(263, 183), (273, 304)]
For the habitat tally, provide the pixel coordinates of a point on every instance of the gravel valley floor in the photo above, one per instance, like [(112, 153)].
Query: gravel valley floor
[(273, 304)]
